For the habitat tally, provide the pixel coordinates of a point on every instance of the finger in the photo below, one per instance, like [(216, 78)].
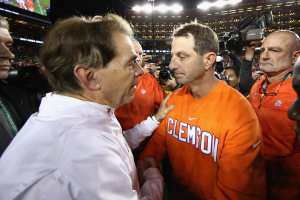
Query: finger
[(156, 190), (169, 108), (166, 99)]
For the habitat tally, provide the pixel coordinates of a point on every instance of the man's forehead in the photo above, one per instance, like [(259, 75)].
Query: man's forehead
[(122, 41), (123, 45), (183, 43), (278, 39), (4, 34), (137, 46)]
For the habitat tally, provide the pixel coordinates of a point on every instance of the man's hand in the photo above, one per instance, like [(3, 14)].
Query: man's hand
[(153, 183), (250, 50), (153, 186), (146, 58), (163, 109)]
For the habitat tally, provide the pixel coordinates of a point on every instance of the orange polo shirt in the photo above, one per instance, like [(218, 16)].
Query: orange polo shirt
[(213, 144), (147, 99)]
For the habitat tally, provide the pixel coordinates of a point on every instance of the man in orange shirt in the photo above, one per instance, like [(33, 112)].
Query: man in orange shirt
[(147, 100), (271, 96), (212, 137)]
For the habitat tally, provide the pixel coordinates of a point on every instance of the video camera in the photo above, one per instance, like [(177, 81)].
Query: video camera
[(165, 74), (250, 29), (232, 43)]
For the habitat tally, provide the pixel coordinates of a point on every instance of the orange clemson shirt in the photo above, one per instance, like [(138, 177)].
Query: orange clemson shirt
[(213, 144)]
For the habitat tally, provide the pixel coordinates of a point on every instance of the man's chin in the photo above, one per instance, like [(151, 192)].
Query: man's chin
[(266, 68), (180, 81), (3, 74)]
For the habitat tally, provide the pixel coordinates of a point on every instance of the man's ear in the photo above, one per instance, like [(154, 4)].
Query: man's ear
[(86, 77), (209, 60), (296, 55)]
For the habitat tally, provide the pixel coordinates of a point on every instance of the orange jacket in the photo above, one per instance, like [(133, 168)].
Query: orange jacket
[(147, 99), (271, 108), (213, 144), (280, 147)]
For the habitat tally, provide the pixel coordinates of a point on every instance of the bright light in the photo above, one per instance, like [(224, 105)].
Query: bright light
[(234, 2), (217, 4), (204, 6), (176, 8), (31, 40), (220, 4), (147, 8), (161, 8), (137, 8)]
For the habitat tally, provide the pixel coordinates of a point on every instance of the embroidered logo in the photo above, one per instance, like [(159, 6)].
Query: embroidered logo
[(278, 103), (143, 91)]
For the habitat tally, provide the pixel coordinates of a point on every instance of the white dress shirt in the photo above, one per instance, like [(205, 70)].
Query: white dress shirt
[(70, 149), (136, 135)]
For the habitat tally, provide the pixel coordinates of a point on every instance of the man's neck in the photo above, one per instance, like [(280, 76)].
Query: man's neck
[(202, 86), (91, 98), (276, 77)]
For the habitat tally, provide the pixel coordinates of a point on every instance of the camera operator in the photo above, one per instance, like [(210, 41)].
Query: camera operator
[(271, 96), (232, 71), (248, 33), (246, 77), (166, 80)]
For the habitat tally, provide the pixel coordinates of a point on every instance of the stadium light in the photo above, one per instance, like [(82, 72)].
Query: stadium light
[(147, 8), (217, 4), (161, 8), (176, 8)]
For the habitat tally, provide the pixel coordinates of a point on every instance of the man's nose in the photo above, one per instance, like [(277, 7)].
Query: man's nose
[(173, 64), (11, 55), (5, 52), (264, 55)]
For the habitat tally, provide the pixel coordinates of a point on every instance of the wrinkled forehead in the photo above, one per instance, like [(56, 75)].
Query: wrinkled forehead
[(123, 44), (279, 39), (5, 35)]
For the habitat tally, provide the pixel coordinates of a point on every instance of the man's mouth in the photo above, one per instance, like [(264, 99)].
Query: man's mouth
[(265, 63), (178, 74), (4, 67)]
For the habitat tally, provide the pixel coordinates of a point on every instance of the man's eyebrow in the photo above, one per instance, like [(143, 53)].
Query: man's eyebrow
[(182, 53), (271, 47)]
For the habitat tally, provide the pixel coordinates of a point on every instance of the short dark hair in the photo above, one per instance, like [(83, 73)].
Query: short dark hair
[(79, 40), (206, 40)]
